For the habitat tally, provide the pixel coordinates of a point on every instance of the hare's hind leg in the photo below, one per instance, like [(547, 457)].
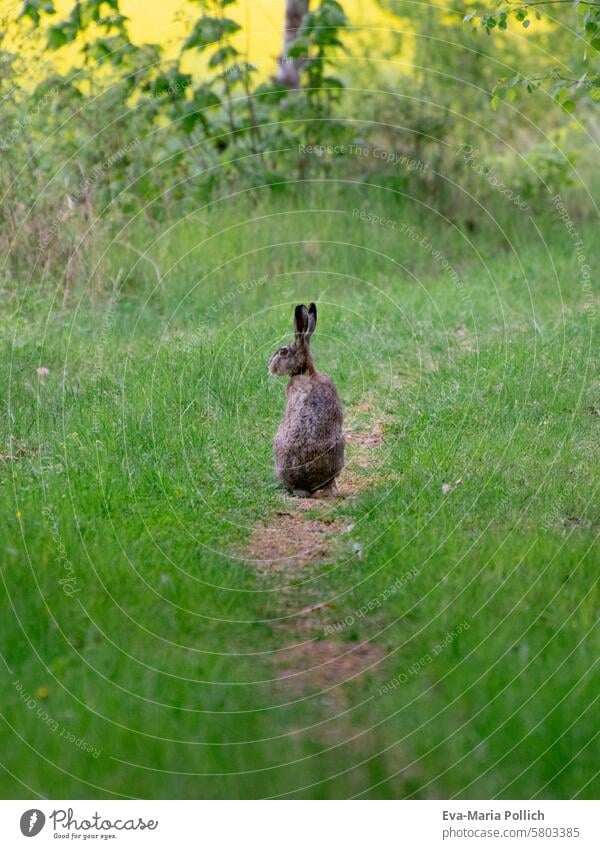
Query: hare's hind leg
[(329, 491), (332, 490)]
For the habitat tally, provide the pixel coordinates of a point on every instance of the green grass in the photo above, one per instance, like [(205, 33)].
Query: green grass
[(144, 459)]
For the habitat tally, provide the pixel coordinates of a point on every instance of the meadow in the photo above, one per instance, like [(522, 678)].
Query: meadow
[(143, 646)]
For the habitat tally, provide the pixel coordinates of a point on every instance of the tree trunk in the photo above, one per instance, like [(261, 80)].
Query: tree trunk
[(289, 69)]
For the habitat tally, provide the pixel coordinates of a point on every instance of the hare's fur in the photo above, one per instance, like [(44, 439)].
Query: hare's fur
[(309, 444)]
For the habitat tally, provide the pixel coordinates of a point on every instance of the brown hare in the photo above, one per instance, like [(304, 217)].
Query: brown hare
[(309, 444)]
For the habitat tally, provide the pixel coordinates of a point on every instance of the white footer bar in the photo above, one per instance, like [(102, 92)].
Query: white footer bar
[(301, 824)]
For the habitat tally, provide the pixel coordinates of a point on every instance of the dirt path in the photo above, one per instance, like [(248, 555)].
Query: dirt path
[(299, 542)]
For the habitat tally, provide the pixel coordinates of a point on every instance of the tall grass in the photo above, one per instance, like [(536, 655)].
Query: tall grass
[(134, 470)]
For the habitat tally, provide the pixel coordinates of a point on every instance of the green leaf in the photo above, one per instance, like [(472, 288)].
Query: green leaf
[(272, 92), (595, 42), (204, 98), (595, 94), (526, 23), (328, 38), (233, 74), (562, 93), (221, 55), (569, 106), (115, 49), (495, 102), (210, 30), (61, 34), (299, 47), (88, 13), (191, 118), (33, 8), (174, 85)]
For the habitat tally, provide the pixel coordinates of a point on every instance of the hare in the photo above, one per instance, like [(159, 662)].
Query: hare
[(309, 444)]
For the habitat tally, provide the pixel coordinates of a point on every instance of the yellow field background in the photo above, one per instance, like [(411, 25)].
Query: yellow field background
[(167, 22)]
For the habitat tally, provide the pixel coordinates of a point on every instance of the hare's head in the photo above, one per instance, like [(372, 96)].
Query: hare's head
[(295, 358)]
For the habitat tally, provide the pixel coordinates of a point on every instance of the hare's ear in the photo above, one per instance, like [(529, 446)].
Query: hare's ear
[(312, 319), (300, 320)]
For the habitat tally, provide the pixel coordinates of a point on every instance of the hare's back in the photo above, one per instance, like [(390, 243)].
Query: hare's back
[(315, 405)]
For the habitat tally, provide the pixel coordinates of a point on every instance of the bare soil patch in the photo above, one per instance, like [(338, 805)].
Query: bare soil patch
[(360, 472), (291, 541)]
